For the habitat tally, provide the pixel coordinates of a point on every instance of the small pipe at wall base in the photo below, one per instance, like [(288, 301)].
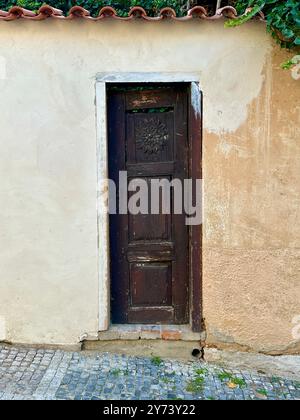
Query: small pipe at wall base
[(199, 353)]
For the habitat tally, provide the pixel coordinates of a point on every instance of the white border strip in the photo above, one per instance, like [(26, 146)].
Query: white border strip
[(103, 218), (147, 77)]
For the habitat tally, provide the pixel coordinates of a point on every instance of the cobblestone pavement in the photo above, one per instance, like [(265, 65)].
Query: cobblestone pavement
[(50, 374)]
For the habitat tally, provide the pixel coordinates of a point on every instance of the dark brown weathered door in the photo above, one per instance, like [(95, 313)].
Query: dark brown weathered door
[(148, 138)]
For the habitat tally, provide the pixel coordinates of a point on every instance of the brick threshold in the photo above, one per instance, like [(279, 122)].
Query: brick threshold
[(149, 332)]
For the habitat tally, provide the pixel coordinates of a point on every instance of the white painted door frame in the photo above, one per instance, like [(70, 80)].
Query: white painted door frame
[(102, 170)]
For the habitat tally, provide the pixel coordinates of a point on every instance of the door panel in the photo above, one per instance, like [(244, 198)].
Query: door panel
[(148, 138), (159, 275), (147, 227)]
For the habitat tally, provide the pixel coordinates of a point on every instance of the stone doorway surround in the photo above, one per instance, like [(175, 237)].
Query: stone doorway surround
[(107, 331)]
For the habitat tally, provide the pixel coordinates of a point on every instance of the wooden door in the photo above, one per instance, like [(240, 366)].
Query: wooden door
[(148, 138)]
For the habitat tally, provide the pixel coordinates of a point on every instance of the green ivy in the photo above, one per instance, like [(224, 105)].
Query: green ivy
[(283, 18)]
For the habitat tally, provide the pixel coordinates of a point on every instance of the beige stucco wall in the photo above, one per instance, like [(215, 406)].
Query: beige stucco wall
[(252, 230), (48, 235)]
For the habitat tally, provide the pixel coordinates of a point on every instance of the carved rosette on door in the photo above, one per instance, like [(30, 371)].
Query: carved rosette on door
[(151, 137)]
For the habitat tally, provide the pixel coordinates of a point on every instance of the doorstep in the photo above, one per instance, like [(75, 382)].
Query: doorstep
[(150, 332)]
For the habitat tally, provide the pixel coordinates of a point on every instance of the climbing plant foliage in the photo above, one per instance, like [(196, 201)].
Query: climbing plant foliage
[(283, 16)]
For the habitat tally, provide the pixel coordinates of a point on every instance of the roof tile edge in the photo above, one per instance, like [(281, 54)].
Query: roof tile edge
[(107, 12)]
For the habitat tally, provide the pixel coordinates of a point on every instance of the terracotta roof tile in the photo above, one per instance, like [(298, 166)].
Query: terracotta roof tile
[(17, 13), (227, 11), (78, 12), (198, 11)]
